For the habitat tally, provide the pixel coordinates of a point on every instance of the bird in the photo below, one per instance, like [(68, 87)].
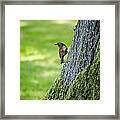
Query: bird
[(63, 50)]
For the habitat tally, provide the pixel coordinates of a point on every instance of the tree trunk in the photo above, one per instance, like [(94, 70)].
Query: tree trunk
[(80, 75)]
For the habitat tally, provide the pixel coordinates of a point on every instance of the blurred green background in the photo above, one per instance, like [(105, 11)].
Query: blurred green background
[(39, 61)]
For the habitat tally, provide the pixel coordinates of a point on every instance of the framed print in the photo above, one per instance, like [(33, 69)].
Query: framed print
[(60, 59)]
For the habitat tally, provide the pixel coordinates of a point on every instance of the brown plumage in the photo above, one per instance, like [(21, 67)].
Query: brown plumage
[(62, 50)]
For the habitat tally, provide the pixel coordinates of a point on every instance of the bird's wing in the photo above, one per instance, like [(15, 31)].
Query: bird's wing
[(65, 50), (62, 51)]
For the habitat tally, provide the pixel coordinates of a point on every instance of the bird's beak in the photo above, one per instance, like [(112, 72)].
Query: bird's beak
[(55, 44)]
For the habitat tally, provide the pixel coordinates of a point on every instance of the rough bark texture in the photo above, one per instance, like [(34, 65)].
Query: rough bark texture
[(80, 75)]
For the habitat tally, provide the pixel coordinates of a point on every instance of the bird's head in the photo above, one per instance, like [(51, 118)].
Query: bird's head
[(58, 44)]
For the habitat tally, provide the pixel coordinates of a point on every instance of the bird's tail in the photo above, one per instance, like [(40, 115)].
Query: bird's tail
[(62, 60)]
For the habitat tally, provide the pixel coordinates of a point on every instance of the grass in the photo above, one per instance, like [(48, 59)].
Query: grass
[(39, 61)]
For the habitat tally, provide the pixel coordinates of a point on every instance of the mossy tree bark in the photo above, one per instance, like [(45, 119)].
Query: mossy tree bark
[(80, 75)]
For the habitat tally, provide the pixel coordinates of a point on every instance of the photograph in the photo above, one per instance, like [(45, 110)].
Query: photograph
[(59, 59)]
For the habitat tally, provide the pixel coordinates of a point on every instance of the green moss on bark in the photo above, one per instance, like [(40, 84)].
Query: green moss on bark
[(86, 86), (58, 91)]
